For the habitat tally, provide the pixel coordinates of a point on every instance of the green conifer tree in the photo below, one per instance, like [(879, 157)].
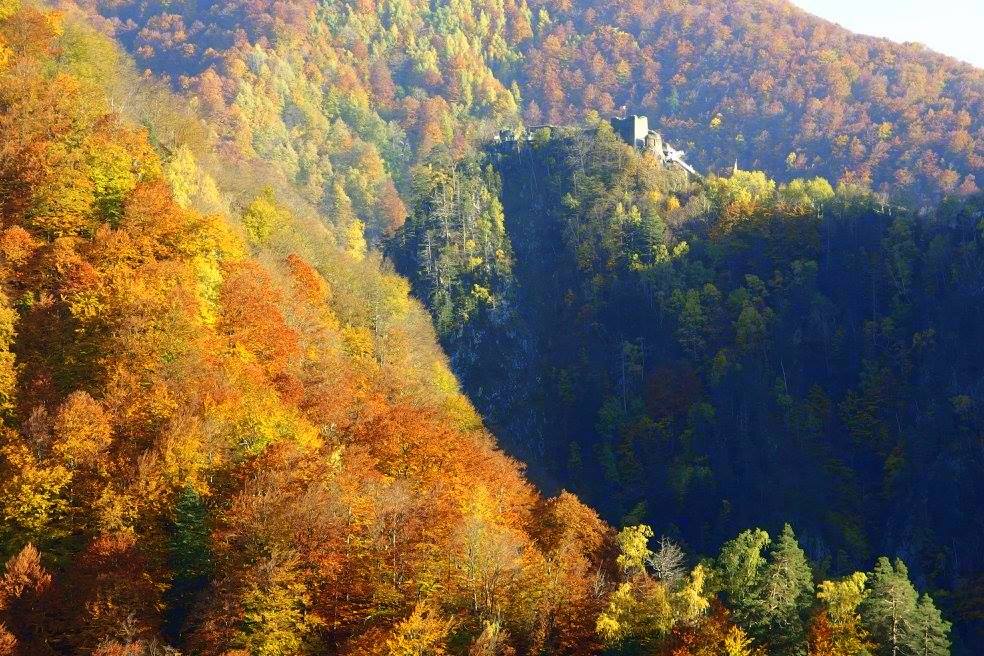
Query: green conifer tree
[(190, 556), (890, 608), (739, 570), (929, 632), (786, 595)]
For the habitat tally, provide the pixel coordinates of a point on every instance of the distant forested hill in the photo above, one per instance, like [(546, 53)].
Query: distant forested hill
[(768, 84), (311, 85)]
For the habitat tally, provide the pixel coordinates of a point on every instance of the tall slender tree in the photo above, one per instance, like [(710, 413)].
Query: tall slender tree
[(929, 632), (890, 607), (786, 595)]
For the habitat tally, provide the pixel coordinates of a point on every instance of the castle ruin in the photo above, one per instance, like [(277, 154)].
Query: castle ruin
[(634, 130)]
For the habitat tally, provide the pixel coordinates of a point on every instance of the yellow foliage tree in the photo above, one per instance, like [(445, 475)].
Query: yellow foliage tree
[(263, 217), (424, 633), (640, 612), (82, 430), (633, 543), (737, 643), (690, 602), (8, 368), (32, 496), (842, 599), (275, 617)]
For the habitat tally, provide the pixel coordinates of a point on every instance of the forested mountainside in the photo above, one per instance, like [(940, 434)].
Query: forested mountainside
[(226, 427), (316, 86), (223, 430), (707, 355)]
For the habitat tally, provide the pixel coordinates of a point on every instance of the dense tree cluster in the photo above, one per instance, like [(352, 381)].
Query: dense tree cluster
[(340, 97), (714, 354), (233, 435)]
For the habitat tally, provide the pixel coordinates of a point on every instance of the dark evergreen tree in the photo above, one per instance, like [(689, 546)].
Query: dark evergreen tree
[(929, 632), (785, 597), (891, 607), (190, 555), (739, 570)]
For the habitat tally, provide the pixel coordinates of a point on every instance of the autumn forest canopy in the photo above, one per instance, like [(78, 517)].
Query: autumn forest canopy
[(352, 327)]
